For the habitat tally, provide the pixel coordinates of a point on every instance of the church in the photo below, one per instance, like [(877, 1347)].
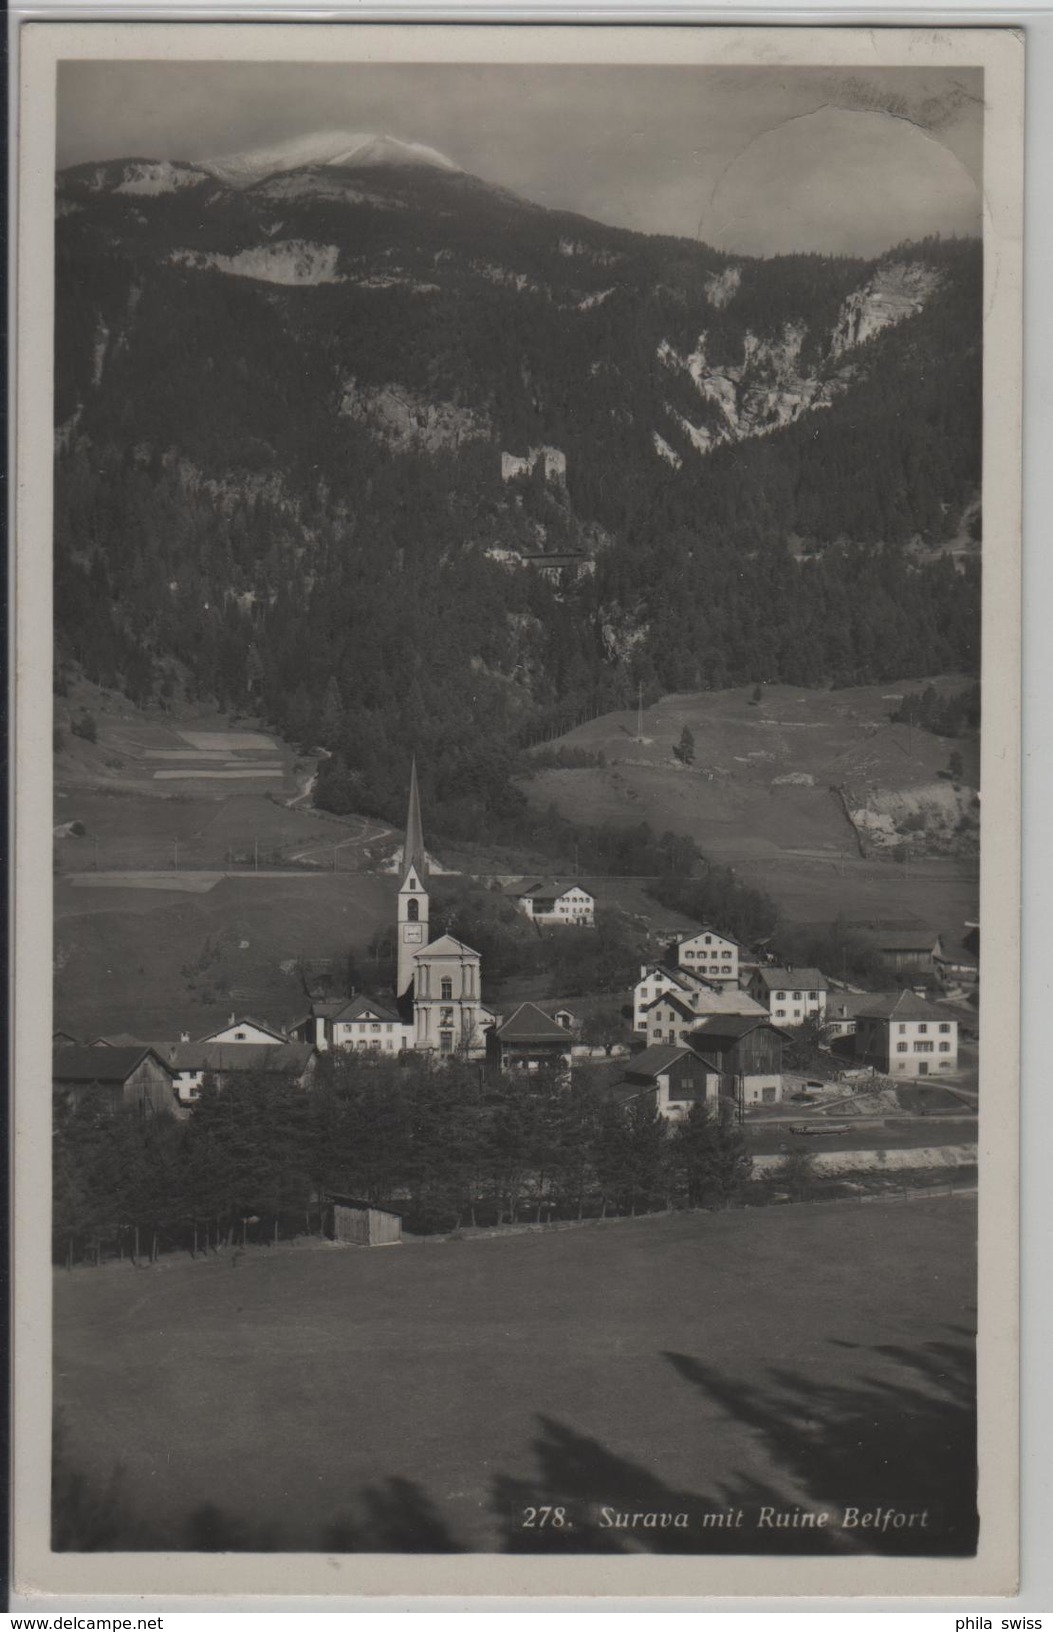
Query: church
[(438, 983)]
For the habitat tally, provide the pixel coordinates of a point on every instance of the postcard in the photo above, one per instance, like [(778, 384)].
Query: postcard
[(517, 597)]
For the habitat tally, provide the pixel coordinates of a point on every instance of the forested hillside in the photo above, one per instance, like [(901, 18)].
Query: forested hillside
[(281, 411)]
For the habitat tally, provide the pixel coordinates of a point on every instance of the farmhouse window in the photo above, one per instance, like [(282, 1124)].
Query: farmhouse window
[(239, 1036), (797, 997), (902, 1027), (780, 997), (945, 1048), (922, 1027), (376, 1027), (901, 1048), (814, 996), (709, 940), (923, 1048), (641, 1025), (945, 1025), (780, 1014), (447, 989), (727, 969)]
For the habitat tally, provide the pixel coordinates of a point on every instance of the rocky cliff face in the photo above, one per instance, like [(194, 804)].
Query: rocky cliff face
[(768, 389), (894, 293), (771, 386)]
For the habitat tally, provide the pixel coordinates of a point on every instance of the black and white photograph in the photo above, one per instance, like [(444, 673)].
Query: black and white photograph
[(518, 584)]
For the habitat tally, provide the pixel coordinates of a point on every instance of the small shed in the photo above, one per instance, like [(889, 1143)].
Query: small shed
[(362, 1224)]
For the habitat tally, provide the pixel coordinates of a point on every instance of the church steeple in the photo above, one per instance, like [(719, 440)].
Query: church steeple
[(413, 850), (413, 892)]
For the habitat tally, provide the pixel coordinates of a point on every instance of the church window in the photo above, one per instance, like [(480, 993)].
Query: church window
[(446, 1017), (413, 912), (447, 989), (446, 1042)]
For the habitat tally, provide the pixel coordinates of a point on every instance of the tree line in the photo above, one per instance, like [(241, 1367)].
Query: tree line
[(446, 1147)]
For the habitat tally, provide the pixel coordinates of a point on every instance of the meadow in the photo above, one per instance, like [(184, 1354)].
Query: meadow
[(760, 794), (425, 1397)]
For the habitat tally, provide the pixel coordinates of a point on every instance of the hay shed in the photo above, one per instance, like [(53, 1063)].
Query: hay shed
[(363, 1224)]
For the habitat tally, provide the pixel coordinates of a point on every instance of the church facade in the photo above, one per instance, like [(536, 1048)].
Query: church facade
[(438, 983)]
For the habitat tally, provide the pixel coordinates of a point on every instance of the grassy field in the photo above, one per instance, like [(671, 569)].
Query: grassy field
[(424, 1397), (790, 837), (122, 954)]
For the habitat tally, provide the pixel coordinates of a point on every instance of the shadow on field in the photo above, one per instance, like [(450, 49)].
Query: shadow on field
[(905, 1442), (902, 1441)]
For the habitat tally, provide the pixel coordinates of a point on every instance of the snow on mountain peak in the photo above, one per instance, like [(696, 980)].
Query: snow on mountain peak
[(327, 147)]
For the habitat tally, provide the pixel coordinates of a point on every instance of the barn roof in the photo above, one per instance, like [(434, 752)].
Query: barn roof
[(905, 1006), (650, 1061), (77, 1063), (529, 1024), (287, 1059), (803, 978), (246, 1020), (729, 1028), (905, 940)]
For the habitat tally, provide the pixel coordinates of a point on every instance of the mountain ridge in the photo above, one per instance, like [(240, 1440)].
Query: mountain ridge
[(317, 429)]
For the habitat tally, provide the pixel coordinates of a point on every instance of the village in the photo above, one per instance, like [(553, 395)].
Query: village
[(709, 1022)]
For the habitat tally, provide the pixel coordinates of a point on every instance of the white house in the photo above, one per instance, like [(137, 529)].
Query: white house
[(711, 955), (354, 1022), (906, 1036), (550, 902), (791, 996), (655, 980)]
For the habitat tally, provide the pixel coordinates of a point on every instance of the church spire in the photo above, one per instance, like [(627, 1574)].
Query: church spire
[(413, 850)]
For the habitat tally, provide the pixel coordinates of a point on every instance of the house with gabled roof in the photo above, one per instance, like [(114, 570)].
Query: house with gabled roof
[(353, 1022), (246, 1030), (710, 954), (791, 996), (746, 1049), (903, 1035), (114, 1079), (657, 978), (553, 901), (192, 1064), (672, 1016), (529, 1040), (674, 1076)]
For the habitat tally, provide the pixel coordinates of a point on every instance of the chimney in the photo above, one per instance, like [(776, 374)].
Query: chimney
[(184, 1036), (232, 1019)]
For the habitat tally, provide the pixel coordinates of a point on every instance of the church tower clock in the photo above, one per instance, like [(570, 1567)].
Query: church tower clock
[(413, 892)]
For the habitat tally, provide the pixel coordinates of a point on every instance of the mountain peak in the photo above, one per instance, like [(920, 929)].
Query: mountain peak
[(328, 147)]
